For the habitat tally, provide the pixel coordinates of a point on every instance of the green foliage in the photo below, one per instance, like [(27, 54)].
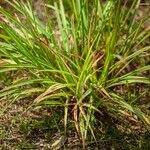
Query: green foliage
[(76, 60)]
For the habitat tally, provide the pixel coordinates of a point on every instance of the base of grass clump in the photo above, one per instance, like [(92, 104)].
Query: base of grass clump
[(36, 131)]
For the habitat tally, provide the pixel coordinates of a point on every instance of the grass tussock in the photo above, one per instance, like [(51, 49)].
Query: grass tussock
[(84, 60)]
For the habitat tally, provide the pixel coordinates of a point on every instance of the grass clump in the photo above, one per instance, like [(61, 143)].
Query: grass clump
[(86, 58)]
